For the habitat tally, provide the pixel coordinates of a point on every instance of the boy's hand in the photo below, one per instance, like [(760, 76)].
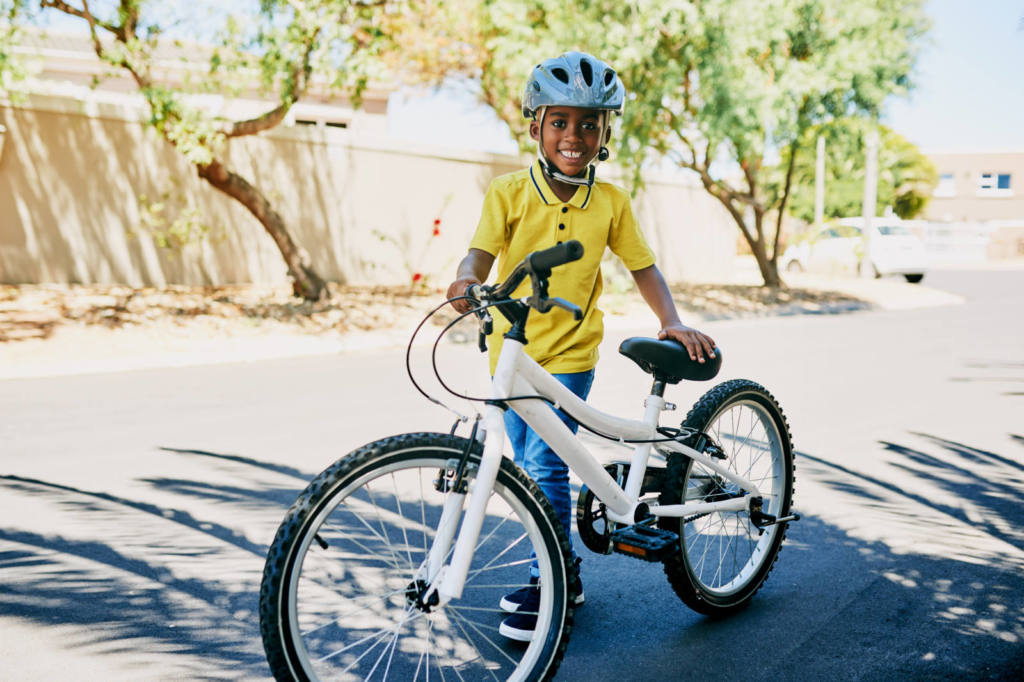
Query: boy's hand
[(697, 343), (458, 288)]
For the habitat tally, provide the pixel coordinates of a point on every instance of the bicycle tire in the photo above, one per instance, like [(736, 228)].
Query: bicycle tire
[(358, 522), (723, 559)]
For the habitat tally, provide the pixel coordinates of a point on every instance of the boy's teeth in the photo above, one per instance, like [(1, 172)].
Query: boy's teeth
[(572, 155)]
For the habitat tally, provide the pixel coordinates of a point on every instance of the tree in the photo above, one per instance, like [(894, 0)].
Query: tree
[(722, 88), (281, 46), (906, 176)]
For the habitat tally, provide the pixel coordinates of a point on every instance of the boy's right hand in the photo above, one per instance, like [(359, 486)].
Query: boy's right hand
[(458, 288)]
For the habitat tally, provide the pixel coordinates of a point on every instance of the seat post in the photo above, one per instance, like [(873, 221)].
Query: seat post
[(658, 388)]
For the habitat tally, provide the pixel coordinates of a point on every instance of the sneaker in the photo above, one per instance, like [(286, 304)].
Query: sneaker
[(521, 624), (511, 602)]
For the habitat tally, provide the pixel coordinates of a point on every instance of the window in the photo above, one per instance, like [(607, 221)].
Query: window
[(994, 184), (946, 186)]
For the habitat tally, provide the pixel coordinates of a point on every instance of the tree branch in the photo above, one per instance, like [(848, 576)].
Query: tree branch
[(85, 13), (300, 77)]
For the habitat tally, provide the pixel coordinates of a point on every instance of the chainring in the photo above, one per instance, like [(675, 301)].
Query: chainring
[(591, 516)]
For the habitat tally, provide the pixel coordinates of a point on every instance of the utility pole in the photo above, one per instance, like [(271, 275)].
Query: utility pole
[(869, 205), (819, 185)]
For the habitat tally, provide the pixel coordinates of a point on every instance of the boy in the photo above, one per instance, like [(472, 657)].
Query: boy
[(569, 100)]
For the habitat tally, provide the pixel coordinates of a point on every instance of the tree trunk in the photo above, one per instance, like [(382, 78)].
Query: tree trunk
[(306, 283), (768, 265)]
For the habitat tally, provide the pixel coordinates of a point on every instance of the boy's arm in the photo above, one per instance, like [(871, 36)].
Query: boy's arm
[(655, 292), (473, 269)]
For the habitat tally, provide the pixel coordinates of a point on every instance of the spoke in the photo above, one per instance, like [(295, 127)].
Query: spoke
[(384, 533), (462, 619), (440, 670), (372, 599), (370, 554), (405, 533), (500, 554), (495, 586), (389, 650), (423, 515), (376, 635), (507, 564), (394, 564), (485, 609)]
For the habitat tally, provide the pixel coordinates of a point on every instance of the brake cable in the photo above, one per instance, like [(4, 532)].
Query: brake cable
[(672, 434)]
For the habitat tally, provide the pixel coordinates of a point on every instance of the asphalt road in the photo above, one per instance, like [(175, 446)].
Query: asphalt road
[(137, 506)]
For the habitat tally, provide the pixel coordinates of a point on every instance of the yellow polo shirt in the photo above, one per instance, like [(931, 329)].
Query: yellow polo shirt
[(520, 215)]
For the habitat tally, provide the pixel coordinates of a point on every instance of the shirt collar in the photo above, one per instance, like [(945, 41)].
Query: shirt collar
[(540, 183)]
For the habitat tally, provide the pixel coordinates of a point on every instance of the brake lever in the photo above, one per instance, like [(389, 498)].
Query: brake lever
[(549, 302), (486, 327), (485, 321)]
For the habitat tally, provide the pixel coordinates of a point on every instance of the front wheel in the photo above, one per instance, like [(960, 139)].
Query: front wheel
[(722, 557), (342, 592)]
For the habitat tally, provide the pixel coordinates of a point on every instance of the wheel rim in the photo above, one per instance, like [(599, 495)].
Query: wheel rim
[(724, 550), (348, 603)]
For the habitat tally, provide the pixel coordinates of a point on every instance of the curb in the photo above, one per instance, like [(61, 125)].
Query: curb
[(83, 350)]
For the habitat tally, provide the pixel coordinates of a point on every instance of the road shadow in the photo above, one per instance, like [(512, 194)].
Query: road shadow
[(135, 574), (176, 569)]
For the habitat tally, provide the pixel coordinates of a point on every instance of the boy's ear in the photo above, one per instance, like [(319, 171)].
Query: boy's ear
[(535, 129)]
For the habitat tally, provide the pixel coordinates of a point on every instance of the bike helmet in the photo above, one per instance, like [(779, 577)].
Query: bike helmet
[(575, 79)]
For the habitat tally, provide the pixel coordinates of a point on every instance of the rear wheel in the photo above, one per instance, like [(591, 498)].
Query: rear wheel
[(340, 597), (915, 278), (723, 558)]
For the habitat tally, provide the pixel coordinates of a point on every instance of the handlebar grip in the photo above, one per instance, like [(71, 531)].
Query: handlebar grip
[(555, 256)]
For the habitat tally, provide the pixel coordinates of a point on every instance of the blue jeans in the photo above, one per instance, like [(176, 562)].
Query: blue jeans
[(539, 461)]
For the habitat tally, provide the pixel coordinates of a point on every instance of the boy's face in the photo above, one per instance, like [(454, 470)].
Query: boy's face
[(571, 137)]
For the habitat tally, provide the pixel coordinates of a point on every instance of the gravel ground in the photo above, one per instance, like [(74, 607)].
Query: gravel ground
[(60, 329)]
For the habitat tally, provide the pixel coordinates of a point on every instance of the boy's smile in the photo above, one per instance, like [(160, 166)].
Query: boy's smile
[(570, 136)]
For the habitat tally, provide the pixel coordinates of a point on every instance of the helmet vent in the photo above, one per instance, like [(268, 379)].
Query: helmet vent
[(561, 74), (587, 71), (609, 76)]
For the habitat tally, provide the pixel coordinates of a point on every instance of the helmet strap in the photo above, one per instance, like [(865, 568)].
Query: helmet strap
[(584, 179)]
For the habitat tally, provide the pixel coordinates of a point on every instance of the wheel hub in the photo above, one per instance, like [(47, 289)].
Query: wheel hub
[(415, 593)]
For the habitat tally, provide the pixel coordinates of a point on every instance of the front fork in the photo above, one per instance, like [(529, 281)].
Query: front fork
[(448, 580)]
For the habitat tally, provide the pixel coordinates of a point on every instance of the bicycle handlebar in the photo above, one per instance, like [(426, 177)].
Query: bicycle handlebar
[(537, 266), (559, 254)]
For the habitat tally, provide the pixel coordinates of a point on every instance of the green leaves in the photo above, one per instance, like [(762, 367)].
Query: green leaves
[(721, 87), (906, 177)]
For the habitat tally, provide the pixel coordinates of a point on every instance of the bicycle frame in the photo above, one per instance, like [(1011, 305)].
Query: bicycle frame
[(518, 374)]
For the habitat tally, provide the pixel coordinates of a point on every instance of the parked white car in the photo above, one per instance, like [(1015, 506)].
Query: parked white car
[(839, 247)]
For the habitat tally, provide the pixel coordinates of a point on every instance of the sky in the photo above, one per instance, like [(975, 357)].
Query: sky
[(969, 93)]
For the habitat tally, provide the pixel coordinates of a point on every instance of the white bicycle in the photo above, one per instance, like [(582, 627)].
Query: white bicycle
[(392, 563)]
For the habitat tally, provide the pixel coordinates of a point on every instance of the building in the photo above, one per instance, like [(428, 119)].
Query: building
[(981, 193), (83, 178)]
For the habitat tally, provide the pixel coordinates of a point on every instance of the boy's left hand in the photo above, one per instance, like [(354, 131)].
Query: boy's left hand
[(697, 343)]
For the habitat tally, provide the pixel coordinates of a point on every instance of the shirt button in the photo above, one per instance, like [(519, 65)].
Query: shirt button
[(561, 226), (565, 209)]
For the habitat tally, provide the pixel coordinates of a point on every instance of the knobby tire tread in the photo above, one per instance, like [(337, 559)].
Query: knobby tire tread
[(699, 416), (273, 586)]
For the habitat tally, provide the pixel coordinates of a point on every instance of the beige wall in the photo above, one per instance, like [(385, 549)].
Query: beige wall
[(71, 175), (968, 202)]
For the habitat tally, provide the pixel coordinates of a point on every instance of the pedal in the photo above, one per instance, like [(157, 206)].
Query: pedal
[(648, 543)]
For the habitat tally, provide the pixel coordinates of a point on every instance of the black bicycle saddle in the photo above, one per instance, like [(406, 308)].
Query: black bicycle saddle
[(668, 360)]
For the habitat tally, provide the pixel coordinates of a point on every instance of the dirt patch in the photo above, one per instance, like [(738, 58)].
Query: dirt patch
[(37, 312), (716, 301)]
